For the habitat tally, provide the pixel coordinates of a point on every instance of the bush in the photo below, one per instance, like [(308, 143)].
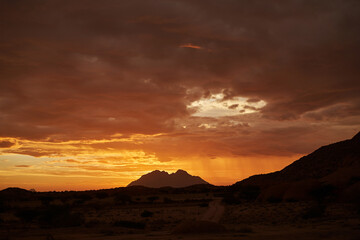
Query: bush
[(315, 211), (92, 223), (2, 206), (249, 192), (102, 195), (229, 198), (152, 198), (241, 193), (122, 198), (129, 224), (84, 197), (168, 200), (95, 206), (45, 200), (204, 204), (322, 192), (199, 227), (147, 213), (274, 199), (354, 179), (52, 216), (245, 229), (27, 215), (59, 216)]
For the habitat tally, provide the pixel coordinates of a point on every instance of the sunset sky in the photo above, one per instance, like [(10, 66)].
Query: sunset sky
[(94, 94)]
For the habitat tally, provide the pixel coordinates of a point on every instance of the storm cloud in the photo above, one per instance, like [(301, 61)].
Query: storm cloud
[(90, 70)]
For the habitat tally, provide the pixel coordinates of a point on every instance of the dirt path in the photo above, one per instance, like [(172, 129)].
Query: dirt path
[(214, 212)]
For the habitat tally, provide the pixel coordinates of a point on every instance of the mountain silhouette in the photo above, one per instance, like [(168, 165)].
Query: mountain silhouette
[(333, 162), (15, 193), (158, 179)]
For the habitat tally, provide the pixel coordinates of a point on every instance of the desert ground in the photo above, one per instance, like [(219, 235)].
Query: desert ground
[(171, 215)]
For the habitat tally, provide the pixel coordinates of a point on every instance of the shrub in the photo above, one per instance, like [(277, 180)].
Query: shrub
[(322, 192), (168, 200), (249, 192), (152, 198), (27, 215), (273, 199), (2, 206), (245, 229), (84, 197), (129, 224), (102, 195), (354, 179), (92, 223), (199, 227), (95, 206), (147, 213), (241, 193), (315, 211), (49, 236), (59, 216), (122, 198), (229, 198), (204, 204), (45, 200)]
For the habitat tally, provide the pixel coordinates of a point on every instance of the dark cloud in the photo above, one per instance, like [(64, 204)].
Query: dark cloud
[(253, 100), (6, 144), (88, 70), (233, 106), (250, 107)]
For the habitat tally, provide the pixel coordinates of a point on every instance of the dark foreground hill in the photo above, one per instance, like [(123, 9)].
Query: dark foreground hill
[(327, 160), (158, 179), (334, 167)]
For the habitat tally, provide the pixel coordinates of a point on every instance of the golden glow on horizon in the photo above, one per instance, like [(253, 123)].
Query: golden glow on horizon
[(80, 165)]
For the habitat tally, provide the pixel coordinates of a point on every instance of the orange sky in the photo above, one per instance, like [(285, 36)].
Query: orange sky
[(95, 94)]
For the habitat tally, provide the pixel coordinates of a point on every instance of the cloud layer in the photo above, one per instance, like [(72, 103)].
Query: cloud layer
[(90, 71)]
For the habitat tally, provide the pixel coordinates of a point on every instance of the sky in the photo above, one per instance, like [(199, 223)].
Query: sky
[(94, 94)]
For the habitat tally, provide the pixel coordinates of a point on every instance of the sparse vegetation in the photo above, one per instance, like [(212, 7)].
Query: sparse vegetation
[(130, 224), (60, 216), (122, 198), (84, 197), (45, 200), (2, 206), (152, 198), (27, 215), (245, 229), (114, 214), (241, 193), (101, 195), (314, 211), (147, 214), (274, 199), (323, 192)]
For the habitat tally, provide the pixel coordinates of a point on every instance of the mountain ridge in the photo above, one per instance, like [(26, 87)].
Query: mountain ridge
[(319, 164), (157, 179)]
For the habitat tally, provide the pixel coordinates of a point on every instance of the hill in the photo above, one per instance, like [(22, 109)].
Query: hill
[(157, 179), (334, 169), (323, 162)]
